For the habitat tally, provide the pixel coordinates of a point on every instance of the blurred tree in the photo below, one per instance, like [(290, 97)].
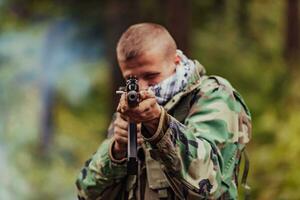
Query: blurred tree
[(178, 19), (243, 16), (292, 36), (118, 17), (219, 6), (47, 122)]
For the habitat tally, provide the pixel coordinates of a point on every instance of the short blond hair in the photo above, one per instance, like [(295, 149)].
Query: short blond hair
[(139, 38)]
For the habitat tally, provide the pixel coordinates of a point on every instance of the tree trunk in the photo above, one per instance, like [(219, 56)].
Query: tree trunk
[(243, 16), (292, 43), (47, 122), (178, 18), (219, 6), (118, 17)]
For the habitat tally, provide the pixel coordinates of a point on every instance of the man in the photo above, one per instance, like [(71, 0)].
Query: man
[(192, 127)]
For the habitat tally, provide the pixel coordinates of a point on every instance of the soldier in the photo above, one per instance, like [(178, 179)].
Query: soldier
[(192, 128)]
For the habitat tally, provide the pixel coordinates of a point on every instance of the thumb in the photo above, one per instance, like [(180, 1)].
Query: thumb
[(146, 94)]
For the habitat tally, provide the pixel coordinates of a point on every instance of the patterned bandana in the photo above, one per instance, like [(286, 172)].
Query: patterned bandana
[(166, 89)]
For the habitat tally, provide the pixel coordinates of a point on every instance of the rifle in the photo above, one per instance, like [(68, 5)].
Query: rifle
[(132, 90)]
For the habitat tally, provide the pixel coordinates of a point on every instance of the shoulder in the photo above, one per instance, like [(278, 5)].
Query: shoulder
[(210, 84), (220, 108), (216, 88)]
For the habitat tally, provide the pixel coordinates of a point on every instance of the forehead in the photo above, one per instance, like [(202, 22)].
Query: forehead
[(150, 61)]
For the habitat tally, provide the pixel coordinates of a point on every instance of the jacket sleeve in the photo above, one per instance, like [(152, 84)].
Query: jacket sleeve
[(201, 154), (101, 173)]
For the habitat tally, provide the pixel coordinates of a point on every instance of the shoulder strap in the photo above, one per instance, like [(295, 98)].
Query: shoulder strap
[(245, 186)]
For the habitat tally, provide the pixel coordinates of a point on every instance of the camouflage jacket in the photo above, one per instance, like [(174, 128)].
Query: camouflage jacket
[(194, 153)]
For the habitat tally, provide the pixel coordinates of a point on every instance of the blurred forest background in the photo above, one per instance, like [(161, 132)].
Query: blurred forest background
[(58, 73)]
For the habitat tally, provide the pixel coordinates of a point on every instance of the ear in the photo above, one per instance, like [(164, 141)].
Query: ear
[(177, 59)]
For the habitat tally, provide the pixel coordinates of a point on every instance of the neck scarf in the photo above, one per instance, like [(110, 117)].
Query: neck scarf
[(169, 87)]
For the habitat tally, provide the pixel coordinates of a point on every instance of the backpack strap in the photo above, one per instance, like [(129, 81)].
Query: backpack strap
[(245, 186)]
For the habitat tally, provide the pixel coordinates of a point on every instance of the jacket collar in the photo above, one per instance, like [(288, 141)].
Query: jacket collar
[(193, 83)]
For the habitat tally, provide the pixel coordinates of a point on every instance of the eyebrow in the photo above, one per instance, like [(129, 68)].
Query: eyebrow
[(127, 76), (150, 73), (143, 74)]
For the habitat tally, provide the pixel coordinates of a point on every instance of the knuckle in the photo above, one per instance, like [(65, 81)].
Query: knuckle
[(115, 123), (117, 138), (124, 132), (117, 131)]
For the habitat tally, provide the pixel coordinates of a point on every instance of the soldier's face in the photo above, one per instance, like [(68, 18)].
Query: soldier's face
[(150, 68)]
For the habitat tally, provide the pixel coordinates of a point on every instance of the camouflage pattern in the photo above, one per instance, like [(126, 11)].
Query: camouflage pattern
[(199, 156)]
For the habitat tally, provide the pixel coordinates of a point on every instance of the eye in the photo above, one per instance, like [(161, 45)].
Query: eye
[(151, 76)]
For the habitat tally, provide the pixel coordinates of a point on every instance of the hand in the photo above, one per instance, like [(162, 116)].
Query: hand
[(147, 112), (121, 136)]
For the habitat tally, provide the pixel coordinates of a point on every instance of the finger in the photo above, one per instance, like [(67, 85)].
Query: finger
[(124, 117), (146, 105), (121, 132), (150, 114), (153, 107), (120, 122), (145, 94), (119, 108), (123, 97), (139, 127), (121, 140), (143, 106), (122, 104), (140, 141), (119, 105), (139, 135)]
